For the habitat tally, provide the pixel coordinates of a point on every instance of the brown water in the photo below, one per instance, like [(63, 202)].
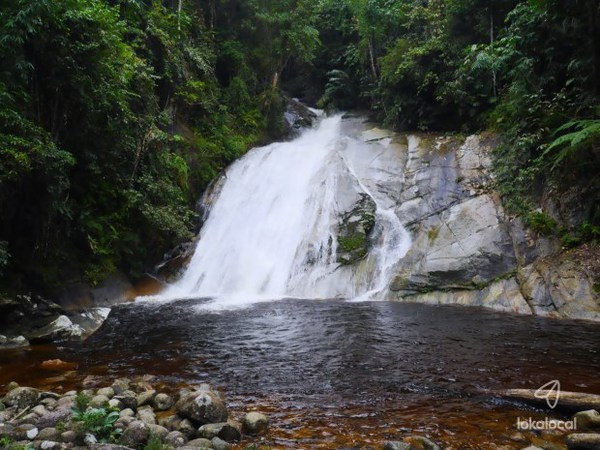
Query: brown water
[(333, 374)]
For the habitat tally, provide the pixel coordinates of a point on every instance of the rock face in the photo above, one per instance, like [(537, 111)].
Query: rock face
[(354, 230), (465, 249)]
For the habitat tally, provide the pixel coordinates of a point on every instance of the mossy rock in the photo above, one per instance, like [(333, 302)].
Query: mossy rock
[(354, 231)]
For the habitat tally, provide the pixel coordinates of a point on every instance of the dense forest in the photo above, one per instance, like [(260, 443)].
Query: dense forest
[(116, 114)]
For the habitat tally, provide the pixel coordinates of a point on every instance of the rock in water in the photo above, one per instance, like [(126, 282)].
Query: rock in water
[(255, 423), (588, 420), (583, 441)]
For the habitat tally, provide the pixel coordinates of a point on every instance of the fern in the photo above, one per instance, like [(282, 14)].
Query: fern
[(572, 137)]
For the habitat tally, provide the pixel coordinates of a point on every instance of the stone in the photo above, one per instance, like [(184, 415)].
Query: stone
[(22, 397), (121, 385), (588, 420), (220, 444), (136, 434), (175, 439), (99, 401), (158, 431), (570, 401), (61, 328), (187, 428), (106, 391), (422, 443), (13, 342), (162, 402), (145, 398), (68, 436), (127, 412), (202, 407), (39, 410), (52, 419), (355, 229), (58, 364), (583, 441), (170, 422), (396, 445), (25, 431), (532, 447), (113, 403), (128, 399), (146, 415), (255, 423), (228, 431), (49, 434), (49, 403), (199, 443)]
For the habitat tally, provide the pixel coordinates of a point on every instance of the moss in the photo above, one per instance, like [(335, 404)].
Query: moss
[(353, 242), (433, 234)]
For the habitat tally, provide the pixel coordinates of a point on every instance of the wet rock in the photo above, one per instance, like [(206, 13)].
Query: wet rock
[(53, 418), (588, 420), (162, 402), (220, 444), (175, 439), (22, 397), (68, 436), (135, 434), (187, 428), (39, 410), (202, 407), (396, 445), (296, 117), (127, 412), (570, 401), (532, 447), (170, 422), (158, 431), (354, 230), (145, 398), (6, 430), (199, 443), (106, 391), (61, 328), (255, 423), (583, 441), (58, 364), (121, 385), (99, 401), (146, 415), (421, 443), (227, 431), (107, 447), (115, 404), (13, 342), (49, 434), (128, 399), (25, 431)]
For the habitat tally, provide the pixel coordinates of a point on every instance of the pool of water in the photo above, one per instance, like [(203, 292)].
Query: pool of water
[(335, 374)]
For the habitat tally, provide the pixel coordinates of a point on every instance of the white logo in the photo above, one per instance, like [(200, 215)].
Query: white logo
[(550, 392)]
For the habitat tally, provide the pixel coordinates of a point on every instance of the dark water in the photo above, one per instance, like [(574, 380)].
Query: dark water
[(336, 374)]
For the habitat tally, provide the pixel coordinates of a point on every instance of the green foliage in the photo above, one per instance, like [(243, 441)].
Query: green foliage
[(584, 135), (154, 443), (82, 401), (540, 223), (98, 422)]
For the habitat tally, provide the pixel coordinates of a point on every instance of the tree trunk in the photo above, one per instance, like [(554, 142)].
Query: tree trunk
[(372, 59)]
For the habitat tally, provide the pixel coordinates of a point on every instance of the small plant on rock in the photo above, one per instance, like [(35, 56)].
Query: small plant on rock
[(96, 423)]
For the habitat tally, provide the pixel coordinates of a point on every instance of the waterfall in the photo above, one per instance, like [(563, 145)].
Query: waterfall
[(272, 230)]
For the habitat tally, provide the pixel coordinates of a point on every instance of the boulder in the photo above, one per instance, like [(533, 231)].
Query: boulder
[(22, 397), (99, 401), (145, 398), (175, 439), (158, 431), (220, 444), (396, 445), (199, 443), (228, 431), (146, 415), (583, 441), (61, 328), (588, 420), (49, 434), (106, 391), (255, 423), (202, 407), (162, 402), (136, 434)]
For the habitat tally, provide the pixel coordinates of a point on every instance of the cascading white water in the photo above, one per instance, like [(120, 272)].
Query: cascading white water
[(271, 232)]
